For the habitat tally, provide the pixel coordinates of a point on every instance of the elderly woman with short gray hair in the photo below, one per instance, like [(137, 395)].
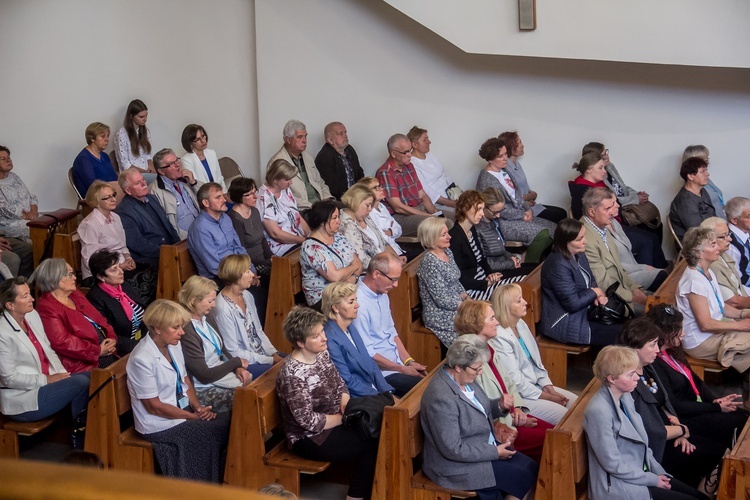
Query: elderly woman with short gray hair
[(461, 450), (77, 332), (713, 329)]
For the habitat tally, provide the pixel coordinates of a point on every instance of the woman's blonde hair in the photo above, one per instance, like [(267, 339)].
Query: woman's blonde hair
[(92, 195), (280, 169), (470, 316), (232, 267), (163, 313), (501, 300), (356, 195), (195, 289), (428, 231), (613, 361), (334, 293)]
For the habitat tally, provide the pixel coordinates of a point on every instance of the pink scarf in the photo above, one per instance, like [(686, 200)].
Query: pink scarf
[(117, 293)]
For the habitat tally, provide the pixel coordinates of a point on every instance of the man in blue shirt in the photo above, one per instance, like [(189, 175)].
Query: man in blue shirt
[(375, 324)]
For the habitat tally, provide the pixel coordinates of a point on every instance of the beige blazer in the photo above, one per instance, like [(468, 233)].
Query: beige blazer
[(20, 367), (728, 277), (606, 265), (298, 185)]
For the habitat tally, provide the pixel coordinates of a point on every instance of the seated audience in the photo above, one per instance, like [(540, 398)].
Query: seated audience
[(515, 148), (243, 192), (119, 302), (725, 268), (704, 412), (526, 431), (201, 161), (738, 215), (713, 329), (689, 458), (477, 276), (345, 346), (102, 229), (620, 463), (569, 289), (381, 216), (187, 437), (440, 288), (326, 255), (77, 332), (435, 182), (493, 241), (306, 183), (600, 206), (357, 225), (517, 221), (92, 163), (33, 382), (518, 352), (405, 197), (375, 324), (237, 319), (461, 449), (176, 190), (284, 227), (337, 161), (133, 140), (313, 398), (216, 373), (592, 171), (714, 193), (17, 207), (692, 205)]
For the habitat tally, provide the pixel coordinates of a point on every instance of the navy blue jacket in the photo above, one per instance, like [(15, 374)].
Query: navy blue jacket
[(354, 364), (566, 298), (146, 228)]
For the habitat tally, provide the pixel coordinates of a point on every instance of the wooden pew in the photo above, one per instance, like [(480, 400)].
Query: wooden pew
[(175, 267), (422, 344), (118, 448), (734, 483), (64, 220), (562, 473), (667, 294), (401, 441), (253, 460), (286, 282), (10, 430), (68, 246), (554, 354)]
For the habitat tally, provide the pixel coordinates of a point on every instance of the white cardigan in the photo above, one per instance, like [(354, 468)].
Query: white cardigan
[(20, 367), (191, 162), (528, 374)]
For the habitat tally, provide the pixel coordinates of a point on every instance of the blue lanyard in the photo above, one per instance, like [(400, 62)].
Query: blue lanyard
[(523, 346), (180, 392), (716, 294), (214, 341), (718, 193)]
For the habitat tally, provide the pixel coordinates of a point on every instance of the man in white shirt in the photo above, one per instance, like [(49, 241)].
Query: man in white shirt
[(431, 173), (738, 215), (375, 324)]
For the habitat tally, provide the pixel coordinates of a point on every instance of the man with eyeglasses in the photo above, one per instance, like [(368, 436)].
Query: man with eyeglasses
[(405, 197), (738, 215), (337, 161), (307, 186), (175, 188), (375, 324)]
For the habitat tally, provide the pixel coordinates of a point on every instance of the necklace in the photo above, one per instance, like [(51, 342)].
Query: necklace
[(652, 387)]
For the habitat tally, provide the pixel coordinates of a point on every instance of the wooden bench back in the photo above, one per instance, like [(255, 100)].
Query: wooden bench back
[(286, 282), (667, 292), (175, 267), (734, 483), (68, 246), (104, 411), (564, 464), (531, 290)]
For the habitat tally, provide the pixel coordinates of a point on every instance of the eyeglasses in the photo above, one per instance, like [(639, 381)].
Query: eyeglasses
[(168, 165), (378, 188), (408, 152), (726, 236), (605, 152), (393, 280), (105, 198), (200, 138), (494, 212), (254, 192), (475, 370)]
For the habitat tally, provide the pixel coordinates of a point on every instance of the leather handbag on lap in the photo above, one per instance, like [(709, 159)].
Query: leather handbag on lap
[(365, 414), (615, 311)]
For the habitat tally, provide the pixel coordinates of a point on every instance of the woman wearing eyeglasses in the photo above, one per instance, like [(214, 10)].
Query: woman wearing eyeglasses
[(200, 160)]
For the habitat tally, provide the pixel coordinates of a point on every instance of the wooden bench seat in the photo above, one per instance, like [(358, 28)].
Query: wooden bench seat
[(286, 283), (401, 442), (562, 473), (258, 453), (118, 448), (175, 267), (10, 430), (734, 483), (554, 354)]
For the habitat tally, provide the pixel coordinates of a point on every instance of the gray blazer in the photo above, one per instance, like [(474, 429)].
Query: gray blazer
[(457, 454), (641, 274), (618, 449)]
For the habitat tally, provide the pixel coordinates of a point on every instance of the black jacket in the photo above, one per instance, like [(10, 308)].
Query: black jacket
[(331, 168)]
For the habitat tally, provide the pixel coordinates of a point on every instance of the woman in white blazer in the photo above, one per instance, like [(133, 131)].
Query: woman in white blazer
[(33, 382), (516, 346), (200, 160)]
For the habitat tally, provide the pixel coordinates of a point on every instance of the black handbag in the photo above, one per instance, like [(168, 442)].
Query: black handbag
[(78, 435), (365, 414), (616, 311)]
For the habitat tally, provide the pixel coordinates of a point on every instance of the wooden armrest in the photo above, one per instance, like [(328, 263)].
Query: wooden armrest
[(407, 239), (48, 219)]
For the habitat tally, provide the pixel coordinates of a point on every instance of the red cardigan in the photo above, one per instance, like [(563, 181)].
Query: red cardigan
[(70, 334)]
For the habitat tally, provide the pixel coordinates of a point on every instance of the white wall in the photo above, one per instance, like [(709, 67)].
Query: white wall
[(66, 64), (379, 72)]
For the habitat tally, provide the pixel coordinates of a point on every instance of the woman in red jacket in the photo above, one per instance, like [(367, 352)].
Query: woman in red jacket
[(77, 332)]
